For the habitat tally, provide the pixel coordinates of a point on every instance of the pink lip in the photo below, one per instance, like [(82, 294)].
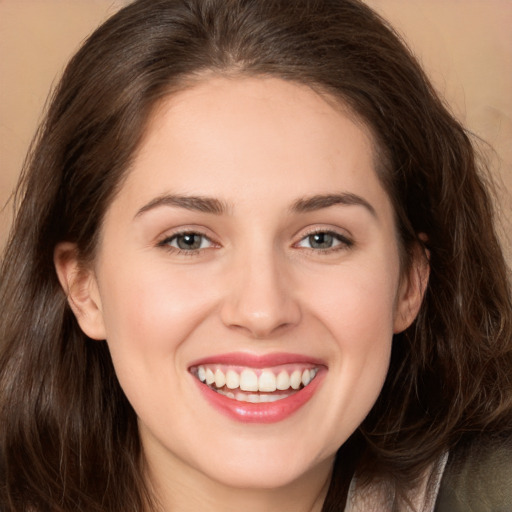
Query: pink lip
[(267, 412), (257, 361)]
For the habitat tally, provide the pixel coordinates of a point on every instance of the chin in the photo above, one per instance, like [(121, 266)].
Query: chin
[(264, 471)]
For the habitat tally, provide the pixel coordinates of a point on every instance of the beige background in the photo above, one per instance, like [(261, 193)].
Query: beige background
[(465, 45)]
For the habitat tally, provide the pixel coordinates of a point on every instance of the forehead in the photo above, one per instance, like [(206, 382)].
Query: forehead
[(266, 135)]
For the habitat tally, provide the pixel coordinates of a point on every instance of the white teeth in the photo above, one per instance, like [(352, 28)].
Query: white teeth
[(296, 379), (256, 399), (252, 398), (267, 381), (248, 381), (271, 398), (210, 377), (283, 381), (220, 378), (232, 379)]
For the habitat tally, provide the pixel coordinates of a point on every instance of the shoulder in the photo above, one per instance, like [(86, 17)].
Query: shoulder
[(478, 477)]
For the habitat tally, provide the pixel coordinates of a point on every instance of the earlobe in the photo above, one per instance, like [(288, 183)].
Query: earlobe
[(81, 288), (412, 290)]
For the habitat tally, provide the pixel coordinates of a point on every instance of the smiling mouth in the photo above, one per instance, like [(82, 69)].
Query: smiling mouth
[(255, 385)]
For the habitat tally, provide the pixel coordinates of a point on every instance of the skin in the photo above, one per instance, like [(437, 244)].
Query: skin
[(257, 285)]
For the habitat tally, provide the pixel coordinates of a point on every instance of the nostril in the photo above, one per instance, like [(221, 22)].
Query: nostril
[(258, 329)]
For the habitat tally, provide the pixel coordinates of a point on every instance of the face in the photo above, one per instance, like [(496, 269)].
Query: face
[(248, 282)]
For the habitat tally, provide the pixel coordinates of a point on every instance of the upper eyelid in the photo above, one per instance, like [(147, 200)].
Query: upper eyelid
[(183, 233), (165, 243), (192, 230), (345, 236), (343, 244), (342, 233)]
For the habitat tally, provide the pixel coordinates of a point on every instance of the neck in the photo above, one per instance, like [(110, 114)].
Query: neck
[(185, 489)]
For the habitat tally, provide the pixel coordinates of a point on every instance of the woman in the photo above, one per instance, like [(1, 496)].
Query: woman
[(254, 266)]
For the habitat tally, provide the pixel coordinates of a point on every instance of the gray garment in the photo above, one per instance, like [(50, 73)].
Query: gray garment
[(478, 478)]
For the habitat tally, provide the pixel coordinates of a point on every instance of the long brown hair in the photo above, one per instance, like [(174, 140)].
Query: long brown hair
[(68, 436)]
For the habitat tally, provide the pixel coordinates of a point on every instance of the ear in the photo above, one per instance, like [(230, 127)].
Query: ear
[(412, 290), (81, 289)]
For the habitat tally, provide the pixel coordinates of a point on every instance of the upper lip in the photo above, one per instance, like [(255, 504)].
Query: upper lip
[(257, 360)]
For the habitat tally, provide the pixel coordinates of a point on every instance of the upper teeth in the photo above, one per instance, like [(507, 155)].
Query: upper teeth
[(248, 379)]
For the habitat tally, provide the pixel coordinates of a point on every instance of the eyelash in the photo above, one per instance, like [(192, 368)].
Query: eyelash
[(344, 242), (165, 243)]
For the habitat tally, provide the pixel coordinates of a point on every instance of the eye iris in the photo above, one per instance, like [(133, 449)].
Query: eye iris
[(189, 241), (321, 240)]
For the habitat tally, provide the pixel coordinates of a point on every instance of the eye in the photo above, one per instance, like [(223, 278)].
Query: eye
[(189, 241), (324, 240)]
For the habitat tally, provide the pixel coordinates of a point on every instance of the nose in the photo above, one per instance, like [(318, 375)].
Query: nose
[(259, 298)]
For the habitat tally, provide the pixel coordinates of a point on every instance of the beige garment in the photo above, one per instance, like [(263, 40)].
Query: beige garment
[(379, 496)]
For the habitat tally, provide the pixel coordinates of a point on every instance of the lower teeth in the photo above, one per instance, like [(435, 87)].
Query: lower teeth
[(252, 398)]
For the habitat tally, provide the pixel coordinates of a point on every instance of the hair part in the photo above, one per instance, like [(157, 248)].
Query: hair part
[(69, 438)]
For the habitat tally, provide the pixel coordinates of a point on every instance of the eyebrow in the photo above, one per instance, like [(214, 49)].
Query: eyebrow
[(318, 202), (195, 203), (214, 206)]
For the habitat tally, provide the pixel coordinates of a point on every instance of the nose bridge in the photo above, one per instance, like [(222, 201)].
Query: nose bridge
[(260, 298)]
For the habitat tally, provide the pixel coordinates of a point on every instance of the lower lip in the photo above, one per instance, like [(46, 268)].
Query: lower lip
[(266, 412)]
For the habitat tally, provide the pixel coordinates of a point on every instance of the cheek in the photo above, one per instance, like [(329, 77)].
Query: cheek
[(357, 304), (148, 314), (150, 297), (357, 308)]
